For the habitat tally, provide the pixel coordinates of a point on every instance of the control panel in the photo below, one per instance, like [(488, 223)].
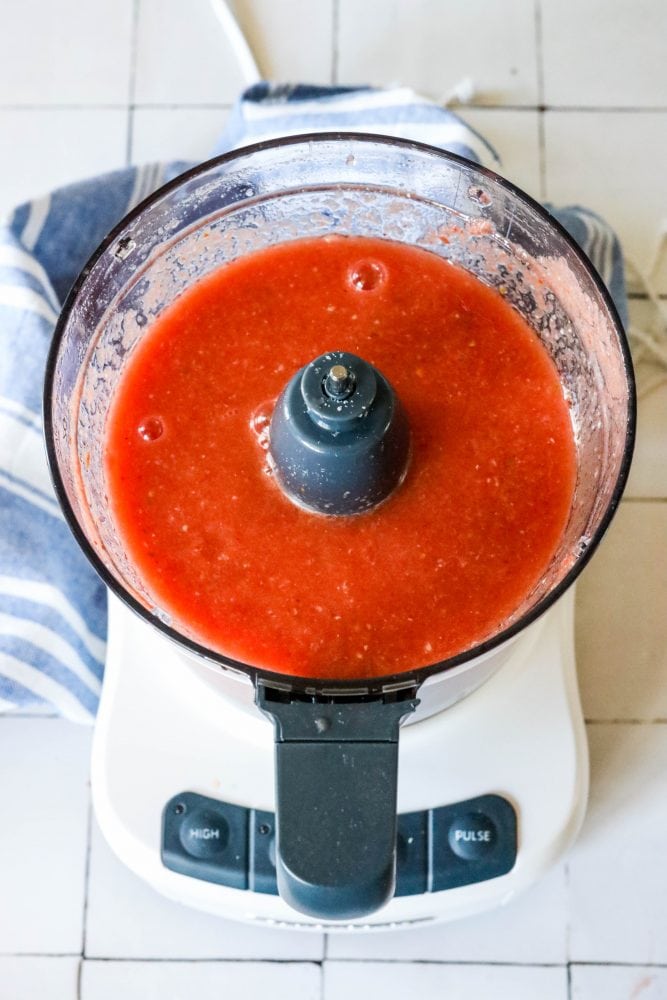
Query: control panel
[(442, 848)]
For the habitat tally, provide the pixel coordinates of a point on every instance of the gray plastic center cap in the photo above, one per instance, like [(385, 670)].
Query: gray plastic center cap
[(339, 438), (337, 407)]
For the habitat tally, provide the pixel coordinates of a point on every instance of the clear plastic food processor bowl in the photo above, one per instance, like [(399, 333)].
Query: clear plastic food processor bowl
[(344, 185)]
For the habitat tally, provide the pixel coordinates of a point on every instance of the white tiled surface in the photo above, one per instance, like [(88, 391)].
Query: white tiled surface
[(431, 46), (203, 980), (85, 86), (648, 475), (43, 835), (615, 982), (65, 53), (604, 54), (611, 161), (42, 149), (344, 980), (30, 978), (182, 57), (617, 870), (291, 41), (621, 627), (161, 929), (175, 133)]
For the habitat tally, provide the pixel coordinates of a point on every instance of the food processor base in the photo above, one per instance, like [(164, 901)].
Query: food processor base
[(169, 724)]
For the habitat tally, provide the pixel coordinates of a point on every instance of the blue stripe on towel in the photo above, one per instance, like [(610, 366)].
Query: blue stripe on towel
[(36, 547), (50, 617), (49, 666), (22, 697)]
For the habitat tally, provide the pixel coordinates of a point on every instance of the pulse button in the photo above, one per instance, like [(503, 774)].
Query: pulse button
[(204, 833), (472, 836)]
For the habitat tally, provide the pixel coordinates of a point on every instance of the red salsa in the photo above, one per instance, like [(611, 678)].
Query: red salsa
[(439, 566)]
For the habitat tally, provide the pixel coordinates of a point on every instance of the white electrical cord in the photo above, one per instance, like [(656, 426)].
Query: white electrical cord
[(238, 42), (649, 345)]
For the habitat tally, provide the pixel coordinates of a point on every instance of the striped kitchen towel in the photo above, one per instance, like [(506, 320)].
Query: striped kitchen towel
[(52, 605)]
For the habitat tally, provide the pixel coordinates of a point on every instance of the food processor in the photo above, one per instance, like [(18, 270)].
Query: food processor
[(292, 801)]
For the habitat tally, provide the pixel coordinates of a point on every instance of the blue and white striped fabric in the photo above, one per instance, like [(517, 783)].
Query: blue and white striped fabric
[(52, 605)]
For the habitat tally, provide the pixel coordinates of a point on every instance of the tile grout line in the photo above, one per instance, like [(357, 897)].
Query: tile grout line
[(620, 965), (180, 960), (463, 962), (541, 140), (84, 927), (644, 500), (560, 108), (335, 40), (123, 959), (542, 149), (132, 82), (568, 926), (40, 954), (354, 961), (539, 52), (625, 722)]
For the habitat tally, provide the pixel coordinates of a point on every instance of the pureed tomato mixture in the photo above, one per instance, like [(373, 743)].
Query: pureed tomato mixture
[(435, 569)]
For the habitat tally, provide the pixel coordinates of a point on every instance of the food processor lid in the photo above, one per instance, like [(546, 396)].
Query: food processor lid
[(242, 178)]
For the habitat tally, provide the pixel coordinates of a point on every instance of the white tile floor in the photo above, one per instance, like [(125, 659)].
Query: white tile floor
[(204, 980), (574, 95), (43, 844), (160, 931), (38, 978), (400, 981)]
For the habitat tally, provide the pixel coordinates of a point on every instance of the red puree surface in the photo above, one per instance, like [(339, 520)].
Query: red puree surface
[(435, 569)]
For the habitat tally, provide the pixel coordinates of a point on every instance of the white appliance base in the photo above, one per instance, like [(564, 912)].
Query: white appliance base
[(162, 729)]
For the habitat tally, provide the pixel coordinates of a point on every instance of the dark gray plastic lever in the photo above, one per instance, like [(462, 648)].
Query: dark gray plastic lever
[(336, 776)]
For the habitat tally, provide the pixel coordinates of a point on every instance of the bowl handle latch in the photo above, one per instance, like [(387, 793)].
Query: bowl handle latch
[(336, 779)]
